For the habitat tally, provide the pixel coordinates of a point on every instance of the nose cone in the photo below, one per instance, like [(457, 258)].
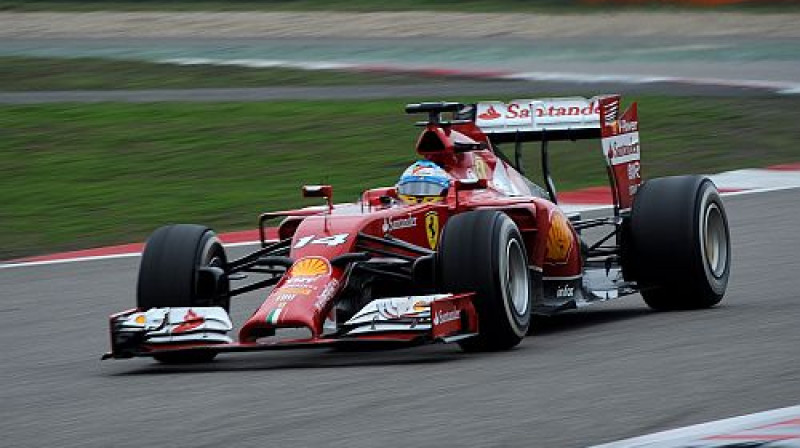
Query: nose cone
[(302, 298)]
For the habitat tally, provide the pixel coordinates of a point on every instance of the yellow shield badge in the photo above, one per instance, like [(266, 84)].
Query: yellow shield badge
[(432, 228)]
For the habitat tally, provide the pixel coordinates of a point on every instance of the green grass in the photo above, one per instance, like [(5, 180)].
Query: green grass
[(557, 6), (81, 175), (19, 73)]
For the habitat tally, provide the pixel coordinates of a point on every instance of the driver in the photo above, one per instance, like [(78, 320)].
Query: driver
[(424, 181)]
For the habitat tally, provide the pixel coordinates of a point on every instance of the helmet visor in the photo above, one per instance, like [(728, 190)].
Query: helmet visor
[(420, 188)]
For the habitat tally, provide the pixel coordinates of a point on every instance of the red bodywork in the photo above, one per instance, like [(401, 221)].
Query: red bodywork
[(305, 295)]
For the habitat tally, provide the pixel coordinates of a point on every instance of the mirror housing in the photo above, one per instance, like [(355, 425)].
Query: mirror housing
[(471, 184)]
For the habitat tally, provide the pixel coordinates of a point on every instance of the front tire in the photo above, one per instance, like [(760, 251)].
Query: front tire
[(678, 246), (483, 252), (170, 276)]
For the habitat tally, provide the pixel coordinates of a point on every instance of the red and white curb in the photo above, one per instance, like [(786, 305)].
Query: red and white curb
[(779, 87), (231, 239), (730, 183), (776, 428)]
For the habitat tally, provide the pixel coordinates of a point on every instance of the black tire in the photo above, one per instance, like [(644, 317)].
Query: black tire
[(483, 251), (168, 273), (677, 244), (169, 276)]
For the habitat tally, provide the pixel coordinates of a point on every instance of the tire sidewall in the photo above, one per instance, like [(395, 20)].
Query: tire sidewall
[(709, 197), (518, 322)]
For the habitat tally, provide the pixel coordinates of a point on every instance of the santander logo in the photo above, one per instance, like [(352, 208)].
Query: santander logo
[(552, 109), (558, 110), (490, 114)]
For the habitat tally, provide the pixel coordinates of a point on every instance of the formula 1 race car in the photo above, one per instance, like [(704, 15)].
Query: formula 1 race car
[(467, 256)]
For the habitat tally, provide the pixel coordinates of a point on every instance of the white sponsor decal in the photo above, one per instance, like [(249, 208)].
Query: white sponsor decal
[(634, 171), (304, 282), (622, 148), (568, 109), (442, 317), (626, 126), (397, 224), (565, 291), (326, 294), (548, 113), (334, 240), (284, 298)]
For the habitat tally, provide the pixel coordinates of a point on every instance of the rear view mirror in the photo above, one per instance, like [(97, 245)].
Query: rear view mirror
[(471, 184)]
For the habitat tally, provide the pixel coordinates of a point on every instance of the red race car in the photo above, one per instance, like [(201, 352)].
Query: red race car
[(463, 249)]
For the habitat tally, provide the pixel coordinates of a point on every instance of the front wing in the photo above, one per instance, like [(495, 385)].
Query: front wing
[(383, 323)]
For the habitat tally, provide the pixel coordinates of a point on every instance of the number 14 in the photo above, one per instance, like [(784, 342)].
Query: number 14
[(334, 240)]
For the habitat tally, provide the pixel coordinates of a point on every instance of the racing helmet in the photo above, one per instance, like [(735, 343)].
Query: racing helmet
[(423, 181)]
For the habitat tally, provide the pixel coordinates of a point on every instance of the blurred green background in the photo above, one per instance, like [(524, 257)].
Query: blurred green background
[(81, 175), (88, 174)]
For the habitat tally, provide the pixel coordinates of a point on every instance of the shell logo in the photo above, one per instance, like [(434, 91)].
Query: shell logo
[(559, 239), (310, 267)]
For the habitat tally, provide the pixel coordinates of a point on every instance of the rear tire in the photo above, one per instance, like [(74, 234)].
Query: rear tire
[(483, 252), (677, 246), (169, 276)]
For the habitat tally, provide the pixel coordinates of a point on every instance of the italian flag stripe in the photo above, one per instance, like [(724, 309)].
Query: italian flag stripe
[(272, 317)]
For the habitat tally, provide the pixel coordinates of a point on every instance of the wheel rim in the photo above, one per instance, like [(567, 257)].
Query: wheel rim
[(715, 240), (212, 255), (516, 278)]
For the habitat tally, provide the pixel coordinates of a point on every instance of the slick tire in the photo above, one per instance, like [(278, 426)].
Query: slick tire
[(483, 251), (169, 276), (677, 245)]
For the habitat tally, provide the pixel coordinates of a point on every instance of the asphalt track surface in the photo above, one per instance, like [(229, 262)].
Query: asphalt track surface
[(600, 374)]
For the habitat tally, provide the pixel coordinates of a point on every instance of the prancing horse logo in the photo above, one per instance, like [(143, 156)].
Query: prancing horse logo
[(432, 228)]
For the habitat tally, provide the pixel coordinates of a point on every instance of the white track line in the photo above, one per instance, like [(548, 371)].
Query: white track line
[(568, 208), (689, 435), (100, 257), (760, 190)]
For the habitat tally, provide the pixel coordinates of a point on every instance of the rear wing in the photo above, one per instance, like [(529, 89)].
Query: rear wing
[(574, 118), (534, 120)]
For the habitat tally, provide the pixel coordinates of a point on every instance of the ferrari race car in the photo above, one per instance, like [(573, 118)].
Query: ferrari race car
[(468, 262)]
